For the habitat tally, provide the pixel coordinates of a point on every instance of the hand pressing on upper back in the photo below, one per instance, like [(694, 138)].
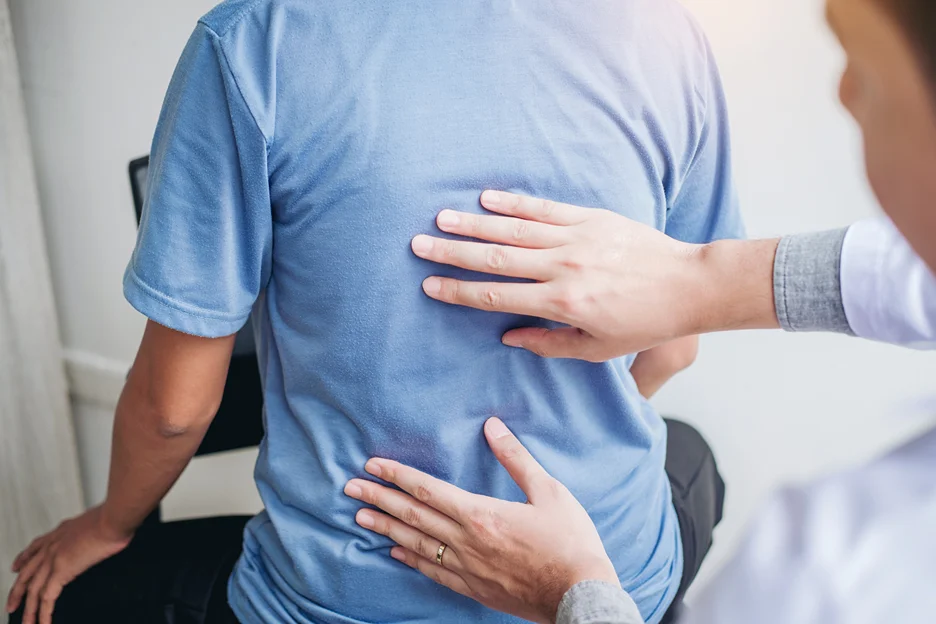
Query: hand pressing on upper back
[(620, 285)]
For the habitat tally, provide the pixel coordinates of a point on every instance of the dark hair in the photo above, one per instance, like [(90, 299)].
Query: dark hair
[(918, 19)]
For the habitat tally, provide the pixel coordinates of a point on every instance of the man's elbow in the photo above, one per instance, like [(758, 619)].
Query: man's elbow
[(683, 354), (167, 420), (178, 423)]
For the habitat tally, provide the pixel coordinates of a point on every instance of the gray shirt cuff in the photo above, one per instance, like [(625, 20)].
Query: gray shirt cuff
[(597, 602), (808, 284)]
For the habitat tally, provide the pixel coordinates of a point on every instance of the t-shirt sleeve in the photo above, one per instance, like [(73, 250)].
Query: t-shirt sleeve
[(203, 251), (705, 207)]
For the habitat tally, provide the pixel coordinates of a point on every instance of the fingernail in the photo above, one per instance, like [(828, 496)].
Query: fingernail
[(448, 218), (397, 553), (432, 286), (422, 245), (373, 468), (353, 490), (366, 519), (490, 198), (511, 341), (497, 429)]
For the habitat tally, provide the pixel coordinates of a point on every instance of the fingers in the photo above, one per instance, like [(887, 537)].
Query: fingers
[(493, 259), (566, 342), (531, 208), (428, 567), (34, 591), (412, 539), (27, 554), (27, 573), (431, 492), (506, 230), (518, 461), (525, 299), (48, 597), (403, 506)]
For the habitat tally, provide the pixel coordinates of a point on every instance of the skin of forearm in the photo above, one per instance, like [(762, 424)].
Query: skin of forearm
[(167, 404), (146, 459), (734, 289)]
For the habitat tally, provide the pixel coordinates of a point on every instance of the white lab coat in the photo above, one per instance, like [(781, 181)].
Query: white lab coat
[(858, 547)]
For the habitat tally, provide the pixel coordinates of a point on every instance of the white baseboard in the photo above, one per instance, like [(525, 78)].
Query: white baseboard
[(93, 378)]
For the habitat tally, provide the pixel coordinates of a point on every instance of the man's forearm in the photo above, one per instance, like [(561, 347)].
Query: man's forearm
[(146, 460), (167, 404)]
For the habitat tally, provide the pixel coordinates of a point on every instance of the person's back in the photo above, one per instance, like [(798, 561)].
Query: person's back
[(303, 144)]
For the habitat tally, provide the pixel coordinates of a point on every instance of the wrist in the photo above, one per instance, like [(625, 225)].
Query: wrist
[(110, 526), (732, 286)]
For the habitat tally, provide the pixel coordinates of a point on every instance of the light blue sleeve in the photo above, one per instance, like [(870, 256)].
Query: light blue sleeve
[(705, 207), (203, 252)]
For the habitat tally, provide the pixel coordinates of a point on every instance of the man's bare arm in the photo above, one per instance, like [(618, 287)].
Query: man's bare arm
[(170, 398), (167, 404)]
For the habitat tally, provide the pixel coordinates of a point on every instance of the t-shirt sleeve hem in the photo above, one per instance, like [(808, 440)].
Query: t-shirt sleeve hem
[(178, 316)]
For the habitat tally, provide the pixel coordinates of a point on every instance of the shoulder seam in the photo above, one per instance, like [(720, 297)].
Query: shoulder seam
[(219, 49), (233, 20)]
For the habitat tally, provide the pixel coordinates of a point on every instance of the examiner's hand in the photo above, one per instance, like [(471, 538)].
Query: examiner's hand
[(55, 559), (516, 558), (622, 286)]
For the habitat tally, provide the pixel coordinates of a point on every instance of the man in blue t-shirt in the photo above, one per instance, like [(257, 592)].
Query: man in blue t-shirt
[(301, 147)]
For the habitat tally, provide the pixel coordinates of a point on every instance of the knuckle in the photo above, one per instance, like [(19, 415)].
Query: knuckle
[(423, 547), (548, 207), (521, 231), (573, 303), (512, 449), (473, 226), (539, 348), (424, 493), (479, 522), (382, 525), (491, 299), (572, 263), (552, 486), (497, 258), (371, 496), (411, 516), (450, 290), (389, 471), (448, 249)]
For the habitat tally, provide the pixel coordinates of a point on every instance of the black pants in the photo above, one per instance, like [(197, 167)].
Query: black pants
[(699, 497), (176, 573), (172, 573)]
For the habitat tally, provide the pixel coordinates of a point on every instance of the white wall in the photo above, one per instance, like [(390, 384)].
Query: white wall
[(775, 407)]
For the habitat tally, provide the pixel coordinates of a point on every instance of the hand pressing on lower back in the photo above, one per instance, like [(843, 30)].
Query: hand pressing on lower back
[(513, 557)]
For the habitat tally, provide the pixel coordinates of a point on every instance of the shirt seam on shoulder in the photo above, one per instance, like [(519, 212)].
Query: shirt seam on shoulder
[(219, 43), (234, 20), (165, 300)]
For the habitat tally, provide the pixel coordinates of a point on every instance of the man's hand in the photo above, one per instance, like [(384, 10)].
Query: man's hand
[(167, 404), (53, 560)]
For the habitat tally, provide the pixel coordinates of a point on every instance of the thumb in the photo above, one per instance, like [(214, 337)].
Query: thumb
[(513, 456), (567, 342)]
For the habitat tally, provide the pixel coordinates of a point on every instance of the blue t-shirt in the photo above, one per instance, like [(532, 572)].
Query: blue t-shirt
[(303, 144)]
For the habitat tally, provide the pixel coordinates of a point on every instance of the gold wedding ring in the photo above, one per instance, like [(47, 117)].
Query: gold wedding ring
[(440, 553)]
